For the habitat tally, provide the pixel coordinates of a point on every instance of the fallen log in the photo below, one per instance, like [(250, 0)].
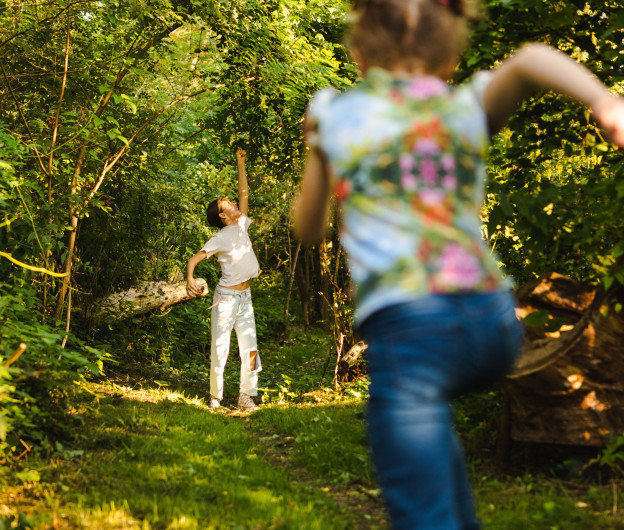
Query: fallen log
[(146, 297), (568, 384)]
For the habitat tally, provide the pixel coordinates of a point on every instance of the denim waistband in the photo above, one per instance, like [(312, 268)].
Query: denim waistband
[(226, 292), (469, 303)]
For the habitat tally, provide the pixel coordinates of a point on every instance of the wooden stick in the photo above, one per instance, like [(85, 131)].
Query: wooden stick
[(338, 357), (27, 450), (15, 355)]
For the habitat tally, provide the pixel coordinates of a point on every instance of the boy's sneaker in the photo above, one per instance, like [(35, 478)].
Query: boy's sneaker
[(246, 402), (214, 403)]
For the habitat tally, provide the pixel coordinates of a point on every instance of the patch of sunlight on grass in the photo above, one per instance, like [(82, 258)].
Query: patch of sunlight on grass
[(151, 395), (540, 502), (185, 523), (109, 516)]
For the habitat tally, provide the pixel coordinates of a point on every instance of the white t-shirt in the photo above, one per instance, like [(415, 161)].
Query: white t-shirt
[(233, 249)]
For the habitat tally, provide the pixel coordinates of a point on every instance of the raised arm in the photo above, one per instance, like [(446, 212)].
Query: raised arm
[(537, 66), (311, 208), (243, 187)]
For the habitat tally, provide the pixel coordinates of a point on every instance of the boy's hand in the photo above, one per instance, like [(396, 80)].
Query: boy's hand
[(192, 289), (609, 112), (240, 153)]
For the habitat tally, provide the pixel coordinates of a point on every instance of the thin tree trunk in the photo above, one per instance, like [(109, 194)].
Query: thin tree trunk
[(67, 319), (55, 129), (338, 357), (302, 286), (308, 282), (56, 124), (290, 283), (324, 288)]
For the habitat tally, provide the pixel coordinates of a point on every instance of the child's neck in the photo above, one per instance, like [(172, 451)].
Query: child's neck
[(411, 70)]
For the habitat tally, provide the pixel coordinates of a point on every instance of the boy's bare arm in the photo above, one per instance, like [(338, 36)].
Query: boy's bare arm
[(311, 209), (243, 186), (537, 66), (192, 289)]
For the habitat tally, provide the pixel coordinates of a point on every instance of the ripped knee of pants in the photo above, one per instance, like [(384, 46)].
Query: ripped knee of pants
[(253, 358)]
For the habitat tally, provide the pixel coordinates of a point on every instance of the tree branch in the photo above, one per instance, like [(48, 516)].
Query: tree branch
[(109, 165), (19, 108), (58, 109), (67, 266), (53, 17)]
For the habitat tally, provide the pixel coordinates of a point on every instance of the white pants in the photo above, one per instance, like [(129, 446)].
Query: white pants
[(233, 309)]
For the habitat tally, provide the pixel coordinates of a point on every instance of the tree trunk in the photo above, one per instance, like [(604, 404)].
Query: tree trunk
[(568, 385), (349, 366), (322, 289), (291, 278), (302, 286)]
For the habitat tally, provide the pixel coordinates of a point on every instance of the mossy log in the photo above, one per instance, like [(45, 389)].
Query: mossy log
[(568, 385), (146, 297)]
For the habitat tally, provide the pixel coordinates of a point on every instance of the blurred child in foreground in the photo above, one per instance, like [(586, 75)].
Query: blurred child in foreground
[(404, 155)]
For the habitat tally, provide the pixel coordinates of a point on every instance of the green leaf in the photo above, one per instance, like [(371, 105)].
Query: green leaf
[(537, 318)]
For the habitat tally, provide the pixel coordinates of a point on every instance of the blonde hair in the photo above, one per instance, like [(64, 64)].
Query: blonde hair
[(425, 35)]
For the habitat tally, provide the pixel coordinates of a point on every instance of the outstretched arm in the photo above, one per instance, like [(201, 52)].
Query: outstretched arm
[(537, 66), (191, 286), (311, 208), (243, 187)]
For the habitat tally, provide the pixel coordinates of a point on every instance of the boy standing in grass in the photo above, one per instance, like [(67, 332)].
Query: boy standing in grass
[(232, 307)]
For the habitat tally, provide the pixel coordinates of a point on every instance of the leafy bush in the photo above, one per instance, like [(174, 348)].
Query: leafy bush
[(35, 389)]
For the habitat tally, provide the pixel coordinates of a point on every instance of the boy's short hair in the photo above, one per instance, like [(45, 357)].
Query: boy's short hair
[(212, 214)]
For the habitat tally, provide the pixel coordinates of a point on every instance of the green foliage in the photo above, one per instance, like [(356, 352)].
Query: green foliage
[(17, 522), (477, 418), (141, 135), (315, 430), (35, 391), (151, 455), (539, 502), (612, 456), (542, 318), (555, 186)]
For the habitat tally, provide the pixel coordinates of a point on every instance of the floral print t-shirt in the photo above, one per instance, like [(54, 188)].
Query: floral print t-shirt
[(406, 158)]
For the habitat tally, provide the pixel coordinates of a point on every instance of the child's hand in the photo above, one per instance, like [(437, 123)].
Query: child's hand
[(192, 289), (240, 153), (609, 112)]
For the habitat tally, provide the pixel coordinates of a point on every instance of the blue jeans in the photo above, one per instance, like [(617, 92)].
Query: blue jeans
[(422, 354)]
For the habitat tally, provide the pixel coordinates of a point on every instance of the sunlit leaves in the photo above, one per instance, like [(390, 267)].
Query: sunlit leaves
[(552, 153)]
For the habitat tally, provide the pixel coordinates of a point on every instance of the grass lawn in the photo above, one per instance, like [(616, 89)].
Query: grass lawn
[(150, 454)]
